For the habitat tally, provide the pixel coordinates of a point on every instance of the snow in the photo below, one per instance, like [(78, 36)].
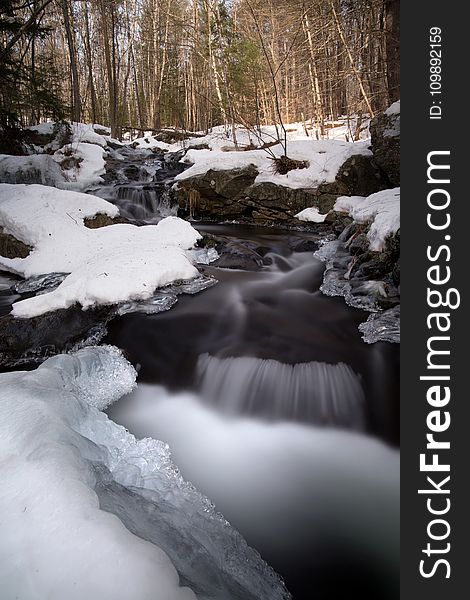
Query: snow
[(88, 169), (324, 157), (311, 214), (43, 128), (221, 137), (85, 133), (72, 477), (108, 265), (381, 208), (39, 168), (393, 109)]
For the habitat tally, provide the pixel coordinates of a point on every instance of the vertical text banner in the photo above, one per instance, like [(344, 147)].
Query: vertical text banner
[(435, 401)]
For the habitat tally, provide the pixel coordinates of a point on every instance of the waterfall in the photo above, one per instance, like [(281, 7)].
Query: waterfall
[(316, 392), (143, 203)]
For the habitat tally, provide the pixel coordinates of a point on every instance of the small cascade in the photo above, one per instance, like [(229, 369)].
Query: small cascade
[(314, 392), (143, 203)]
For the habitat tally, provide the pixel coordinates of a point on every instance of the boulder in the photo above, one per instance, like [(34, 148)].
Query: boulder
[(10, 247), (40, 168), (385, 140), (361, 176), (34, 340)]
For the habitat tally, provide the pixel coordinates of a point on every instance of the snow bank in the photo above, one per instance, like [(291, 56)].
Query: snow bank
[(311, 214), (107, 265), (324, 157), (67, 468), (382, 208)]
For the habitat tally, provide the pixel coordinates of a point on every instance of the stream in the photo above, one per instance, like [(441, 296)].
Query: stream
[(271, 402)]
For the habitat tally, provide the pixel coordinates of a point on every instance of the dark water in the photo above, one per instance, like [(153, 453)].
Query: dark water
[(275, 314)]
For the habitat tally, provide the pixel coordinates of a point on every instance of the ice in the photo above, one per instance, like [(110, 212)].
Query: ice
[(157, 304), (40, 283), (167, 297), (205, 256), (69, 470), (382, 327)]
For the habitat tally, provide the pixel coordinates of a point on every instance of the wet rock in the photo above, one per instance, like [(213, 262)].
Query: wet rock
[(359, 245), (10, 247), (133, 172), (238, 256), (34, 340), (306, 246), (385, 139)]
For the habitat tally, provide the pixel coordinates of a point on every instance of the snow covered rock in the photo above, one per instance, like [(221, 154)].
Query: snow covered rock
[(95, 513), (40, 168), (107, 266), (385, 139), (83, 165), (324, 158), (382, 209), (312, 215)]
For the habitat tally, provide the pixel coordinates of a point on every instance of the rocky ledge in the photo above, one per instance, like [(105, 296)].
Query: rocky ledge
[(233, 194)]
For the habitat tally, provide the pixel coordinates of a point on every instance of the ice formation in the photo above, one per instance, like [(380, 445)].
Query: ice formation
[(382, 327), (67, 468)]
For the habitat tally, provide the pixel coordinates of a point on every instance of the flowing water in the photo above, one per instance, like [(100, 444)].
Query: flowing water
[(272, 405), (269, 399)]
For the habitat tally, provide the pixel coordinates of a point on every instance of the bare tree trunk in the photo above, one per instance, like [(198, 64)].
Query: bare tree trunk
[(392, 43), (76, 104)]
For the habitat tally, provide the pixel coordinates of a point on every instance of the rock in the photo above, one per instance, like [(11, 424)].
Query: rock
[(361, 176), (34, 340), (10, 247), (359, 245), (385, 138), (102, 220), (133, 172), (236, 255), (306, 246), (216, 193)]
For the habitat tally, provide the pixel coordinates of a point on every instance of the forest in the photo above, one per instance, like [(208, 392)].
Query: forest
[(142, 65)]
